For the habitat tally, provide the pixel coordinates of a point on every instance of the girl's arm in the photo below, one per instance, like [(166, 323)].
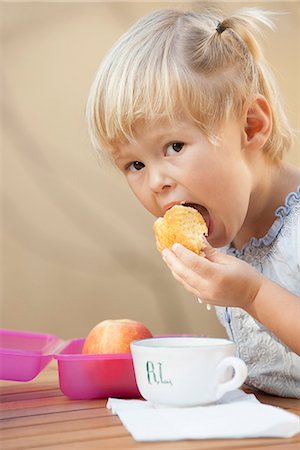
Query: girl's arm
[(224, 280), (279, 310)]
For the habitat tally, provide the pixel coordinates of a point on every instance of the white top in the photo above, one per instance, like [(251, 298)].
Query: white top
[(272, 366)]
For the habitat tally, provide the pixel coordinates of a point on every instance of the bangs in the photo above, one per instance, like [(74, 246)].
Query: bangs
[(150, 79), (155, 92)]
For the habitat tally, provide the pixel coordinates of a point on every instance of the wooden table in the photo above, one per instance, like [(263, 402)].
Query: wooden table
[(36, 415)]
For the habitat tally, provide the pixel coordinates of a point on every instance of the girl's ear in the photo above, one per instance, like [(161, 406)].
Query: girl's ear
[(258, 123)]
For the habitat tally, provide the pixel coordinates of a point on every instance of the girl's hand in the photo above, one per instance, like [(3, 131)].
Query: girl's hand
[(218, 279), (224, 280)]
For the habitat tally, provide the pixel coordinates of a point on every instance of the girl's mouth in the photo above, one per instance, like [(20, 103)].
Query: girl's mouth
[(203, 211)]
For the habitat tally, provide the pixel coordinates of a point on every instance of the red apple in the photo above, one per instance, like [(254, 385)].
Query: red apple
[(114, 336)]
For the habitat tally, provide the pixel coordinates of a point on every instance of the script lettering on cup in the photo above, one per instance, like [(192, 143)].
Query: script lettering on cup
[(155, 373)]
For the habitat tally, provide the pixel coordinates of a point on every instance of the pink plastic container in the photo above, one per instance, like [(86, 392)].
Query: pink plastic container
[(23, 355), (95, 376)]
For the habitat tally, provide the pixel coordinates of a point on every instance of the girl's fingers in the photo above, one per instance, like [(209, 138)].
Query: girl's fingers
[(210, 252), (185, 285), (193, 281), (189, 259), (177, 265), (200, 263)]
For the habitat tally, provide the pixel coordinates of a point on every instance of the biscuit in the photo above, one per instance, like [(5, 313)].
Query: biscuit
[(181, 224)]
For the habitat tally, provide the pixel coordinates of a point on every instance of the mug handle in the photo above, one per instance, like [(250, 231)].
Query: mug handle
[(240, 374)]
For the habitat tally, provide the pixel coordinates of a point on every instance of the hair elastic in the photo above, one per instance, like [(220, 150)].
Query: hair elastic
[(220, 28)]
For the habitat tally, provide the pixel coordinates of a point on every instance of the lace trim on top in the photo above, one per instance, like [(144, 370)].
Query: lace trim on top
[(281, 212)]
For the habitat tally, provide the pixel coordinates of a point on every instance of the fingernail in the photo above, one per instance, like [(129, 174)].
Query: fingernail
[(175, 247)]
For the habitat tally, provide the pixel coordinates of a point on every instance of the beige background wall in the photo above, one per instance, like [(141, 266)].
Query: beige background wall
[(77, 248)]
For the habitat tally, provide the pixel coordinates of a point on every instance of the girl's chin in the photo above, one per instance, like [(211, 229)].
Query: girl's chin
[(217, 240)]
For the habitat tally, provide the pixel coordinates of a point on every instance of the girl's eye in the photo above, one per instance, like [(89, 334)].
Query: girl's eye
[(175, 147), (135, 166)]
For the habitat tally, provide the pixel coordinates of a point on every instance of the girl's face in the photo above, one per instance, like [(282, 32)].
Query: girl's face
[(174, 163)]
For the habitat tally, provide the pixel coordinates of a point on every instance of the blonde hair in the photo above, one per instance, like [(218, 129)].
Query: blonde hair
[(200, 65)]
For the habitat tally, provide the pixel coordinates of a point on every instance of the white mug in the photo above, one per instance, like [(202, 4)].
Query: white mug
[(186, 371)]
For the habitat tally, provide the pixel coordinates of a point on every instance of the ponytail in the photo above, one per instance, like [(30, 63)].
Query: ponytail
[(243, 27)]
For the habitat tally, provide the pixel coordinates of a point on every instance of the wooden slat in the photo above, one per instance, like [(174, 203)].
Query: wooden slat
[(60, 427), (81, 414), (6, 389), (126, 442), (279, 401), (279, 446), (49, 409), (80, 435), (42, 393), (34, 403)]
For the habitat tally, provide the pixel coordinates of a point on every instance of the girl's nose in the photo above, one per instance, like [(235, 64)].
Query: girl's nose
[(159, 181)]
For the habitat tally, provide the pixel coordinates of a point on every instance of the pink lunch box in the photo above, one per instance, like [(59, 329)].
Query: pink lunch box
[(23, 355)]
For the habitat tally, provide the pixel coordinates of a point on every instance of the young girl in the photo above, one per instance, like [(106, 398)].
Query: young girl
[(186, 106)]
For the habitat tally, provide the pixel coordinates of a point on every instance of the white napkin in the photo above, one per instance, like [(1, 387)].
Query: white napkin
[(236, 415)]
